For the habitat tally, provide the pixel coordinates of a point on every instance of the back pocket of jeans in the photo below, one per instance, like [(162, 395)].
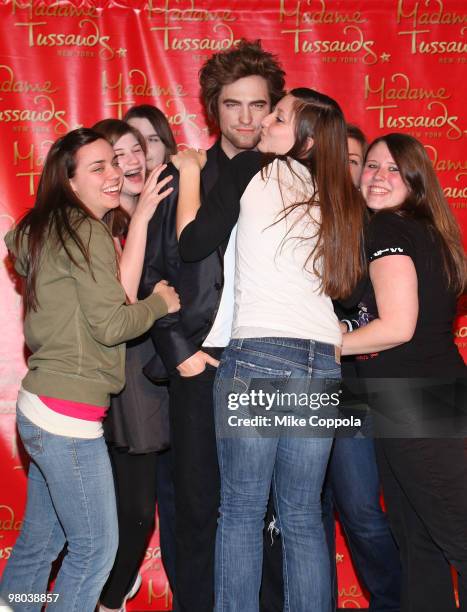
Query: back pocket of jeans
[(30, 434), (251, 377)]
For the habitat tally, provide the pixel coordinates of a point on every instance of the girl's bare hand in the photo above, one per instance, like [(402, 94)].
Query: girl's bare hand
[(190, 158), (153, 193), (168, 294)]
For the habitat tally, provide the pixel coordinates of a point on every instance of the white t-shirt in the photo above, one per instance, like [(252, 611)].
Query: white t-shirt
[(276, 291)]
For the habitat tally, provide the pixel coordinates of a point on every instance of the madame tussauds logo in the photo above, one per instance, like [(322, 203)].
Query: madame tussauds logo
[(45, 112), (89, 36), (452, 192), (437, 16), (442, 165), (9, 523), (457, 192), (135, 83), (55, 9), (384, 94), (34, 160), (11, 84), (305, 38), (176, 16), (419, 20), (190, 12), (154, 595)]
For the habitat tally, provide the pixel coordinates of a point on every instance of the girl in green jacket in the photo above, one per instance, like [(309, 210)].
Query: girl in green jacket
[(77, 319)]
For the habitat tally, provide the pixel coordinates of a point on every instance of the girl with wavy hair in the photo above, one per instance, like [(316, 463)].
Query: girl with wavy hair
[(416, 377), (76, 324)]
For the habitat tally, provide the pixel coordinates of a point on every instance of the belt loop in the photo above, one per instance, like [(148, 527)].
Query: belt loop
[(337, 353)]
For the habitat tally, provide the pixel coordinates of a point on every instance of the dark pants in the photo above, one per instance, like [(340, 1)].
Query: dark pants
[(140, 481), (196, 479), (165, 498), (197, 494), (352, 487), (425, 489), (271, 597)]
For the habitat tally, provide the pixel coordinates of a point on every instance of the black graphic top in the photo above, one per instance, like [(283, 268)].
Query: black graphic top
[(432, 351)]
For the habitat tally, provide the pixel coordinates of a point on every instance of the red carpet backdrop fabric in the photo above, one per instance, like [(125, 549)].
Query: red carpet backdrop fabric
[(393, 65)]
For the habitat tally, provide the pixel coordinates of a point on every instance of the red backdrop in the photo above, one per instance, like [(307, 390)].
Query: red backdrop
[(394, 65)]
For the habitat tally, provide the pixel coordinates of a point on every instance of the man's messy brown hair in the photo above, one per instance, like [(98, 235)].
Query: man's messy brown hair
[(226, 67)]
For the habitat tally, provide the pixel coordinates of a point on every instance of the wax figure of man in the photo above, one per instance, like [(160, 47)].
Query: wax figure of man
[(238, 89)]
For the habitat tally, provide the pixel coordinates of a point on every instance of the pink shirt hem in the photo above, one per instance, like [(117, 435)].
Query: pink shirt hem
[(77, 410)]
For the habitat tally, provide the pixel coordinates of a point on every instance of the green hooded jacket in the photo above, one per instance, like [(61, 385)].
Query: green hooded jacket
[(77, 335)]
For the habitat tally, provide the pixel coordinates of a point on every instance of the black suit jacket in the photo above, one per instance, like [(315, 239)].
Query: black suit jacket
[(178, 336)]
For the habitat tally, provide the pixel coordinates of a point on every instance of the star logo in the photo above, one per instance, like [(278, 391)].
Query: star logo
[(121, 52), (339, 558), (385, 57)]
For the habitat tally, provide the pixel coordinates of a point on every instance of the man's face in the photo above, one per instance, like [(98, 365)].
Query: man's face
[(242, 106)]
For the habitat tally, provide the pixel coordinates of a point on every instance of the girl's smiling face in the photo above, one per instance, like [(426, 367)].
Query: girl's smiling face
[(381, 184), (97, 180), (132, 161)]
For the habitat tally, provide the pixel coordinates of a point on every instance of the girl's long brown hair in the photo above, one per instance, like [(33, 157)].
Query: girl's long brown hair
[(426, 201), (338, 255), (57, 211)]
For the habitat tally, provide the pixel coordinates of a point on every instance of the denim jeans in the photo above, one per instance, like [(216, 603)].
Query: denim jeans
[(70, 500), (352, 486), (294, 464)]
